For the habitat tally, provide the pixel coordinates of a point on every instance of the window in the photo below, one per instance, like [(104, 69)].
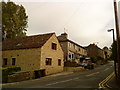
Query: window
[(59, 62), (13, 61), (70, 56), (54, 46), (5, 61), (48, 61), (69, 44), (74, 46)]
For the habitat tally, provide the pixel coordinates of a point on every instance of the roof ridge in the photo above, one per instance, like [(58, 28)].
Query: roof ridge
[(41, 34), (29, 36)]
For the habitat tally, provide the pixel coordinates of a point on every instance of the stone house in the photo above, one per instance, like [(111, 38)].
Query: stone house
[(39, 53), (94, 51), (72, 50)]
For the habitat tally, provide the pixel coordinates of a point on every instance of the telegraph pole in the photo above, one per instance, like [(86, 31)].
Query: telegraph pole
[(117, 36)]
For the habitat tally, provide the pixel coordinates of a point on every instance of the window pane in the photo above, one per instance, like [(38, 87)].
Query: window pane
[(4, 61), (59, 62), (54, 46), (13, 61), (48, 61)]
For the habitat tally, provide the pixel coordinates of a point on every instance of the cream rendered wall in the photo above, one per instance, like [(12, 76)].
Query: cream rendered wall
[(48, 52), (76, 49), (27, 59)]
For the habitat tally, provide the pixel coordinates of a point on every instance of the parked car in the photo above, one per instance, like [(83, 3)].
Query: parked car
[(87, 64)]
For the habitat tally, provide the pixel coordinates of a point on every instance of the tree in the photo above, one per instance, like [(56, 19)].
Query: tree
[(114, 51), (14, 20)]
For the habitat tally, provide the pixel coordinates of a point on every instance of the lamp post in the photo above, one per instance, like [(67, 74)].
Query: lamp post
[(117, 36), (113, 34), (114, 60)]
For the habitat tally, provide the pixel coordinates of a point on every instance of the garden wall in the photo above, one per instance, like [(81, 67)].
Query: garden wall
[(21, 76)]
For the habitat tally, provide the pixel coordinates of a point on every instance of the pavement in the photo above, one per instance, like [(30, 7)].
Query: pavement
[(112, 84)]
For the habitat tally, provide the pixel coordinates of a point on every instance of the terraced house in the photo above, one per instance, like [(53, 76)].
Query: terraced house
[(39, 53), (94, 51), (72, 50)]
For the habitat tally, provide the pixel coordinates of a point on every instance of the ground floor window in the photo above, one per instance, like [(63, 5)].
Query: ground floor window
[(13, 61), (48, 61), (5, 61), (70, 56)]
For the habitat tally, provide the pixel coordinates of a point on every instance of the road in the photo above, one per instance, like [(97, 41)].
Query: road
[(84, 79)]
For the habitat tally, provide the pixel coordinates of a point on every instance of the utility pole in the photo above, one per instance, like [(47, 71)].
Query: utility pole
[(117, 36)]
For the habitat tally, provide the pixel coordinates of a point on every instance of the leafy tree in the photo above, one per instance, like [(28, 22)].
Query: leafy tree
[(114, 50), (14, 20)]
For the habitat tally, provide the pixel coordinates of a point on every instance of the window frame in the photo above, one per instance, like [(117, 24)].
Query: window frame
[(48, 61), (5, 61), (54, 46), (59, 62), (13, 61)]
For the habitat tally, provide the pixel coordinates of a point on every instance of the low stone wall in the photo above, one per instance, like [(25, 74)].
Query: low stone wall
[(73, 69), (20, 76)]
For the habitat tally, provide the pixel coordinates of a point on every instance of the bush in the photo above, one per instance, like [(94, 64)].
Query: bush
[(8, 71)]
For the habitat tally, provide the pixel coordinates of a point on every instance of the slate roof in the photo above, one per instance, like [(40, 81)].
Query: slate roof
[(68, 40), (94, 46), (27, 42)]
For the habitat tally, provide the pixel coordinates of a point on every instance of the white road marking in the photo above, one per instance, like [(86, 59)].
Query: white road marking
[(106, 69), (62, 81), (92, 74)]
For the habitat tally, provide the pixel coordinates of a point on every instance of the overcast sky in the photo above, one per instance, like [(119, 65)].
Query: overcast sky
[(85, 21)]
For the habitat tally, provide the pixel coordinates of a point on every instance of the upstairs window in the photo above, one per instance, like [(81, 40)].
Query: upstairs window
[(54, 46), (48, 61), (13, 61), (59, 62), (5, 61)]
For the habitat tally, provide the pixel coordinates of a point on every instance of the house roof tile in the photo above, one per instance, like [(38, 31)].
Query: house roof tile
[(27, 42)]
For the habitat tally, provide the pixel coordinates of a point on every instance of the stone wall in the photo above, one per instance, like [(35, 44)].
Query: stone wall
[(21, 76), (55, 55), (73, 69), (27, 59)]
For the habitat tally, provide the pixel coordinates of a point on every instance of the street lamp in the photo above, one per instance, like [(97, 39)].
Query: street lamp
[(113, 42), (113, 33)]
